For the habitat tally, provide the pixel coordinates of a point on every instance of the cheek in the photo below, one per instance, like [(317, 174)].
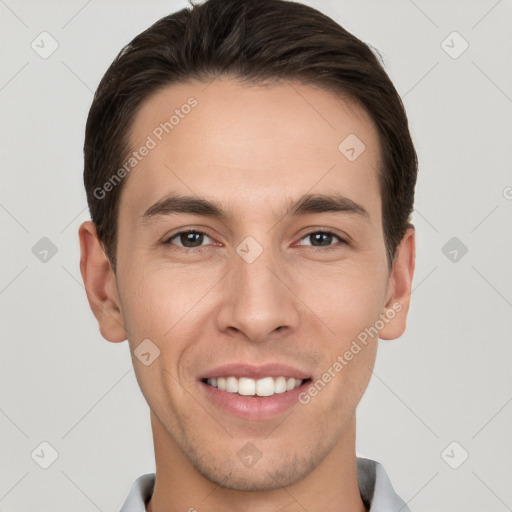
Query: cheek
[(161, 310), (347, 299), (158, 303)]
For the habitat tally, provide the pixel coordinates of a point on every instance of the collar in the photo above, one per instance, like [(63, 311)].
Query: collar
[(375, 487)]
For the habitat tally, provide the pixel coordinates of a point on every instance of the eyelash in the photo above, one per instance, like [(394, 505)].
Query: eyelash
[(188, 249)]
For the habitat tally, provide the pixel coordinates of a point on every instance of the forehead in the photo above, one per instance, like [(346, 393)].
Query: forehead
[(250, 145)]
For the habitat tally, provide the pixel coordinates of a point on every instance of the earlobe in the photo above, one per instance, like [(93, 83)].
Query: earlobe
[(400, 283), (100, 284)]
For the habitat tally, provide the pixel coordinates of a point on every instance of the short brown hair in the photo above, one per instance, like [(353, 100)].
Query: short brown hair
[(253, 41)]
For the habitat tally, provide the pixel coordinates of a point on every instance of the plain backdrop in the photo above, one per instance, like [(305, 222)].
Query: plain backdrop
[(438, 411)]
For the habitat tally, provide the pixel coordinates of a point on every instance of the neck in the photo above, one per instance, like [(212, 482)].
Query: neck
[(331, 486)]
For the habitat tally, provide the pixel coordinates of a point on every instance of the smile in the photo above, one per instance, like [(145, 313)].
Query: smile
[(254, 392), (245, 386)]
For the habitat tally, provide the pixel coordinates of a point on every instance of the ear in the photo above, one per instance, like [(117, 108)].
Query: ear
[(400, 281), (100, 284)]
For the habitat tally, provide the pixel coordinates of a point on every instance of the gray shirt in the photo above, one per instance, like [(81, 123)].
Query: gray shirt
[(376, 490)]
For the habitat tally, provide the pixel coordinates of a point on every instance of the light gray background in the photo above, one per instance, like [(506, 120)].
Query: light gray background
[(447, 379)]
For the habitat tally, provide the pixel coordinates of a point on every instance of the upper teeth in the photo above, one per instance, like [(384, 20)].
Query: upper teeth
[(261, 387)]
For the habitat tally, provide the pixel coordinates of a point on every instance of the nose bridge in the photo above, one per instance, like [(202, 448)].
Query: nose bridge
[(257, 301)]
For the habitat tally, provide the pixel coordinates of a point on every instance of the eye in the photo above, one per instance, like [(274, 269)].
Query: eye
[(194, 239), (190, 239), (322, 238)]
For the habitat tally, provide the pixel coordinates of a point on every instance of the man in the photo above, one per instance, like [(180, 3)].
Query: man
[(250, 177)]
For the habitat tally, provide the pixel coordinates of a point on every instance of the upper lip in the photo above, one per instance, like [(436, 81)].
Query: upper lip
[(255, 372)]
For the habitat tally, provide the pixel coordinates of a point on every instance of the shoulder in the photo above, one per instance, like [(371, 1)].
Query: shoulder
[(139, 495), (376, 489)]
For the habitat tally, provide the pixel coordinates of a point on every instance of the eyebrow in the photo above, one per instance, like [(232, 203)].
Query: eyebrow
[(173, 204)]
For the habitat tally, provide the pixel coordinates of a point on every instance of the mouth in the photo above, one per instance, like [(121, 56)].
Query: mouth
[(254, 393), (245, 386)]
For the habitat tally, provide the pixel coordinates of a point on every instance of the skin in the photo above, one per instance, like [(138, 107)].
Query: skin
[(254, 149)]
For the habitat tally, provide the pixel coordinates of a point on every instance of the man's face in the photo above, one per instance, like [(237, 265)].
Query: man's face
[(261, 286)]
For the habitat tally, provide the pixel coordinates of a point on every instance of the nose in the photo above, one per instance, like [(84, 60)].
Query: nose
[(258, 300)]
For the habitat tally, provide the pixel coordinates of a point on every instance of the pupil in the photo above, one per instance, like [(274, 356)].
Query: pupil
[(325, 237), (195, 238)]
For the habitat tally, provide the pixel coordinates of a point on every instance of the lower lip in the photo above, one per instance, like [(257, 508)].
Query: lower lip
[(254, 408)]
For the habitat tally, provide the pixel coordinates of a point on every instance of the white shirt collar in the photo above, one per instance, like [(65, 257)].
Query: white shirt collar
[(375, 487)]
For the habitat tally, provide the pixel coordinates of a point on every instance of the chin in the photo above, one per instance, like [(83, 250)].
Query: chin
[(267, 474), (262, 479)]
